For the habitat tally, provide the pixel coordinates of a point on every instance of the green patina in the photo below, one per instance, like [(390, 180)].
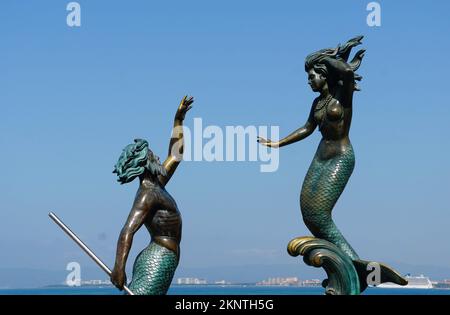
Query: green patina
[(153, 270), (136, 158)]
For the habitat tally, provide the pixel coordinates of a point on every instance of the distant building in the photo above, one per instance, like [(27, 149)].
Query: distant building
[(311, 283), (95, 282), (191, 281), (280, 281), (221, 282), (290, 281)]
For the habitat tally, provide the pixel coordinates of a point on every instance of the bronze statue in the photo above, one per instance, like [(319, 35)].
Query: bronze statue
[(333, 77), (153, 207)]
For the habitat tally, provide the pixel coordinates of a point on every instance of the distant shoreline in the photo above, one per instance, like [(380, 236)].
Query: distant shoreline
[(212, 285), (205, 290)]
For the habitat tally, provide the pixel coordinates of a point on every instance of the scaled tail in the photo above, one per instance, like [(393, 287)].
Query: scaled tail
[(153, 270)]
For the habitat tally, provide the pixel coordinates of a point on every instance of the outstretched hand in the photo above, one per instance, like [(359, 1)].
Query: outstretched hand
[(185, 106), (267, 143)]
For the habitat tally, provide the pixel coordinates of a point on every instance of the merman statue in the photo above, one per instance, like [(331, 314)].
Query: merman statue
[(153, 207), (333, 77)]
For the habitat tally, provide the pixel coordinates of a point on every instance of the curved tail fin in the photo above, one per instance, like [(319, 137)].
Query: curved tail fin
[(387, 274)]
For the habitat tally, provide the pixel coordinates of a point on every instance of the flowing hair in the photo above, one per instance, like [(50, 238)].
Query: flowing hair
[(137, 158), (341, 52)]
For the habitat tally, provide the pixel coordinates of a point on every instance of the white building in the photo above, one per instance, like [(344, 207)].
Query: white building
[(280, 281), (191, 281)]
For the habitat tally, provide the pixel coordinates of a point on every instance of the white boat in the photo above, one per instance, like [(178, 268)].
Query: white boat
[(420, 282)]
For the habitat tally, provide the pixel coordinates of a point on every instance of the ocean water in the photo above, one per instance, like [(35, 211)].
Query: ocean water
[(217, 290)]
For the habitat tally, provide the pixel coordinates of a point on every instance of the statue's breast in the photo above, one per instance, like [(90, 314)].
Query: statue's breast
[(330, 113), (335, 111)]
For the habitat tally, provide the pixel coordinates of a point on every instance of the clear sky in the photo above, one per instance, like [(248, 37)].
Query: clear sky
[(72, 98)]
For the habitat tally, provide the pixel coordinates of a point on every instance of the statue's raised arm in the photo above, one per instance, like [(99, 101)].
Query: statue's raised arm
[(176, 145)]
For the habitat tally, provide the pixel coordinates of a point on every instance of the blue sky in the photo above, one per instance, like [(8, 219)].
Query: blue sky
[(72, 98)]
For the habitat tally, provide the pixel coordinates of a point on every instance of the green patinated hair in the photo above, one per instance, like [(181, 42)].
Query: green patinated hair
[(136, 158), (342, 52)]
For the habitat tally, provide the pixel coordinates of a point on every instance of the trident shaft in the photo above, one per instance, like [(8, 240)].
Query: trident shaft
[(84, 247)]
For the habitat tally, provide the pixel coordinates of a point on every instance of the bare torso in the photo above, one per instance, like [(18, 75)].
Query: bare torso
[(333, 121), (163, 219)]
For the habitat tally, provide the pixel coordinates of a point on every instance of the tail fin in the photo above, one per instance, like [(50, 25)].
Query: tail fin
[(387, 274)]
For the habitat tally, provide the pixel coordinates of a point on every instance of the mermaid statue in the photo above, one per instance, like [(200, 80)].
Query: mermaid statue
[(333, 77), (153, 207)]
